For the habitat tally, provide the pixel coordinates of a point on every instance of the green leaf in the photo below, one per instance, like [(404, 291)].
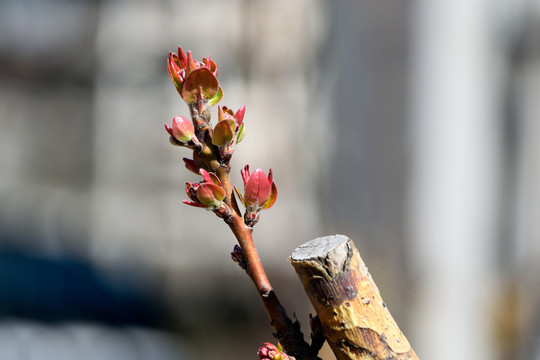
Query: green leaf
[(240, 195), (213, 101), (241, 133)]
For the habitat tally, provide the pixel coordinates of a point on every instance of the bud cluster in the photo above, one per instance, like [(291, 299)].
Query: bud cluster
[(208, 193), (194, 80), (213, 147)]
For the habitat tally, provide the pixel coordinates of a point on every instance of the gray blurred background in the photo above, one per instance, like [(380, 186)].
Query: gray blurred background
[(410, 126)]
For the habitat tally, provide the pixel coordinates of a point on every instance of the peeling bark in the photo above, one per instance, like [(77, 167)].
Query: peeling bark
[(356, 322)]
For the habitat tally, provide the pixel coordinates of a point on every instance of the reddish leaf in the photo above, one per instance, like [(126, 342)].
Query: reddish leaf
[(210, 194), (211, 65), (191, 165), (245, 174), (239, 116), (223, 132), (196, 204), (273, 197), (174, 72), (210, 178), (182, 58), (258, 189), (200, 84), (191, 64)]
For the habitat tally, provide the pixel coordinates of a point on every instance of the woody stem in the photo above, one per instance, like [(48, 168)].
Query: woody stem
[(287, 332)]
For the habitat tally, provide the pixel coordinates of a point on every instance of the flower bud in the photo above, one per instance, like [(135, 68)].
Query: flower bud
[(260, 192), (208, 193), (238, 257), (270, 352), (182, 129)]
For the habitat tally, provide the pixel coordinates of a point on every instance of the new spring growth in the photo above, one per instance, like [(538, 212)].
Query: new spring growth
[(229, 131), (194, 80), (213, 146), (260, 192), (208, 194), (183, 133), (197, 84), (270, 352)]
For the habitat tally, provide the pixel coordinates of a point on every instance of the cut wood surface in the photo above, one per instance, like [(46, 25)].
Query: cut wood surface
[(356, 322)]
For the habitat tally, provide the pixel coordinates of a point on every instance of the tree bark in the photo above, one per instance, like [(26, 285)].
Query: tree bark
[(356, 322)]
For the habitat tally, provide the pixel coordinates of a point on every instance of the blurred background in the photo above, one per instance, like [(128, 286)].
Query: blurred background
[(410, 126)]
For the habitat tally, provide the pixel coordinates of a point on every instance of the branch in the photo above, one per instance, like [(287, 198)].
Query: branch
[(287, 332), (356, 322), (213, 147)]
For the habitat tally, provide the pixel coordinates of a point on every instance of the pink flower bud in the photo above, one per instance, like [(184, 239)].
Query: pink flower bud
[(260, 192), (270, 352), (210, 195), (182, 129)]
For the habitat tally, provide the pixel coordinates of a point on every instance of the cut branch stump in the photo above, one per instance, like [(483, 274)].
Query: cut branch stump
[(356, 322)]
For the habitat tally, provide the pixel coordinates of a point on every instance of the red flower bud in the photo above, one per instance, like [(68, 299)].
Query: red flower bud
[(260, 192)]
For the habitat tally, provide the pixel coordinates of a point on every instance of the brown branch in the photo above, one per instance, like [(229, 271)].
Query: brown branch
[(210, 192), (287, 332), (356, 322)]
